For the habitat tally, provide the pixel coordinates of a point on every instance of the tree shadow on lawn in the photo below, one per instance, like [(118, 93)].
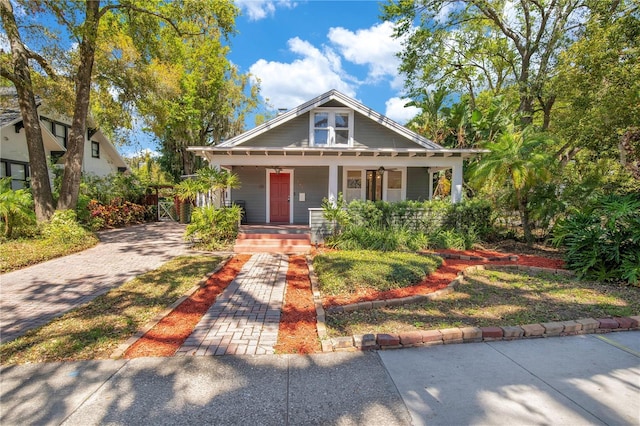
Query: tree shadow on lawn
[(497, 298)]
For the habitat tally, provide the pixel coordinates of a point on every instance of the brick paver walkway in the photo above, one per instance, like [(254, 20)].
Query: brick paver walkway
[(34, 296), (244, 319)]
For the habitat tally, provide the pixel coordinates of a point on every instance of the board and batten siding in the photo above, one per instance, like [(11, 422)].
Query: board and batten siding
[(417, 183), (252, 191)]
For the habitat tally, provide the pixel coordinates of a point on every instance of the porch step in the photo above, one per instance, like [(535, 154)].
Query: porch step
[(290, 239)]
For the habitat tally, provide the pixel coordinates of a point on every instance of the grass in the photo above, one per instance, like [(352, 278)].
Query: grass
[(346, 271), (495, 298), (16, 254), (94, 330)]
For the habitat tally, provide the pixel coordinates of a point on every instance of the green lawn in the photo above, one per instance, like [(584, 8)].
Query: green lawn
[(95, 329), (494, 298), (343, 272), (16, 254)]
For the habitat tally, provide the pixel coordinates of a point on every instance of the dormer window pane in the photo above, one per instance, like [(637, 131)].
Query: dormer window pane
[(342, 121), (321, 119), (321, 137), (342, 137)]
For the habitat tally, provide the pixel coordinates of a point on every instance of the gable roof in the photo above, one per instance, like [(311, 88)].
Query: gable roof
[(318, 102)]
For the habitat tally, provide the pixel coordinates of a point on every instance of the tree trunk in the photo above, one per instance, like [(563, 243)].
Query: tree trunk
[(21, 78), (75, 145), (524, 218)]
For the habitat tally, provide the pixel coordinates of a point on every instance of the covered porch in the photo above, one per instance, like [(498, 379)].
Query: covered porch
[(282, 185)]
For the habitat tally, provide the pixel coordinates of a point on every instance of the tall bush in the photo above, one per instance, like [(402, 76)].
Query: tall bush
[(213, 228), (16, 208), (603, 239)]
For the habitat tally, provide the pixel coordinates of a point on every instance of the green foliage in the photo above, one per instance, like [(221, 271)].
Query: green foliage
[(63, 228), (603, 240), (117, 213), (16, 209), (213, 228), (361, 237), (470, 217), (346, 271), (411, 225), (335, 213)]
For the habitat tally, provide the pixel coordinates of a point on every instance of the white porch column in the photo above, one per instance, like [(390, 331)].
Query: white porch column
[(430, 185), (333, 183), (456, 182)]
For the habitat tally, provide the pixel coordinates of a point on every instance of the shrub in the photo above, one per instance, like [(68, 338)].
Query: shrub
[(63, 228), (448, 239), (603, 240), (473, 216), (212, 228), (16, 210), (372, 238), (116, 213)]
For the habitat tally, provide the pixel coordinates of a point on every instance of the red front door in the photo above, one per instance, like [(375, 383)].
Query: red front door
[(279, 197)]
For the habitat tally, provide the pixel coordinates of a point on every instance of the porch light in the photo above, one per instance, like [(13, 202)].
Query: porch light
[(381, 169)]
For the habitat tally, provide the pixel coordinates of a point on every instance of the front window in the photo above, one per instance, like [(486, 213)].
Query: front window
[(95, 149), (331, 127), (374, 184), (18, 171)]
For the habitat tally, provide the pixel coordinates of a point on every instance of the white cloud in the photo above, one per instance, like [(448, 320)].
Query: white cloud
[(287, 85), (260, 9), (374, 47), (397, 111)]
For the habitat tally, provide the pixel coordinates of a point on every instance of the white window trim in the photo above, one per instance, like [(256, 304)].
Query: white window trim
[(332, 137), (268, 191), (363, 188)]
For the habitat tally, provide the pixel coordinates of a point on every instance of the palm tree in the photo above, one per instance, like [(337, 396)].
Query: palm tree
[(15, 206), (519, 160), (218, 181)]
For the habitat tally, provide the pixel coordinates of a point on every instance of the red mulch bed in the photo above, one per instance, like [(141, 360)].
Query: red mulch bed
[(297, 332), (442, 277), (166, 337)]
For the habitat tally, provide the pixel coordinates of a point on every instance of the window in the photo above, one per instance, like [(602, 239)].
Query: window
[(331, 127), (18, 171), (95, 149), (374, 184), (59, 130), (354, 185)]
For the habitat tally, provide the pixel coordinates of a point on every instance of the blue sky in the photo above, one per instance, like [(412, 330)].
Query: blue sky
[(301, 49)]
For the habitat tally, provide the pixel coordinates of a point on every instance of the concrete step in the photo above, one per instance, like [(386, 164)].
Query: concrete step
[(258, 236), (274, 229), (282, 242), (272, 248)]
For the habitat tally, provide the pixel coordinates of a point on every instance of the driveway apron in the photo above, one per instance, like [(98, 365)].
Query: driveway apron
[(35, 295)]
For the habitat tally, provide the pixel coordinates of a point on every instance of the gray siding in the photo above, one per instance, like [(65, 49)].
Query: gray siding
[(314, 182), (294, 133), (319, 227), (368, 133), (417, 183), (252, 191)]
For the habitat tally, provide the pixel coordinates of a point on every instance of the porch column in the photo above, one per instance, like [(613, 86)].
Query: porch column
[(333, 183), (456, 183), (430, 173)]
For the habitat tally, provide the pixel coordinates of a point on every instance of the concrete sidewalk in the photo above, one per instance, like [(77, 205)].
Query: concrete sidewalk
[(588, 379), (33, 296)]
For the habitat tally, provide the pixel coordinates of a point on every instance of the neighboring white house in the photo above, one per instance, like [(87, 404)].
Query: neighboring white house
[(100, 156)]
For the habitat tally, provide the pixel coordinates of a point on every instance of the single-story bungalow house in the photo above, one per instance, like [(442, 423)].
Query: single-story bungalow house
[(100, 156), (328, 145)]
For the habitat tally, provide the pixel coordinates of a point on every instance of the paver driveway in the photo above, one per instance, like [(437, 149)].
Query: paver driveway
[(33, 296)]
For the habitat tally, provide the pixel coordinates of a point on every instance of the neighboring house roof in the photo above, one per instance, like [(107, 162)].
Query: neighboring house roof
[(424, 145)]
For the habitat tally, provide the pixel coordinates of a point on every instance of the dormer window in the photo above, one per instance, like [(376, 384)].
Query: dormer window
[(331, 127)]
